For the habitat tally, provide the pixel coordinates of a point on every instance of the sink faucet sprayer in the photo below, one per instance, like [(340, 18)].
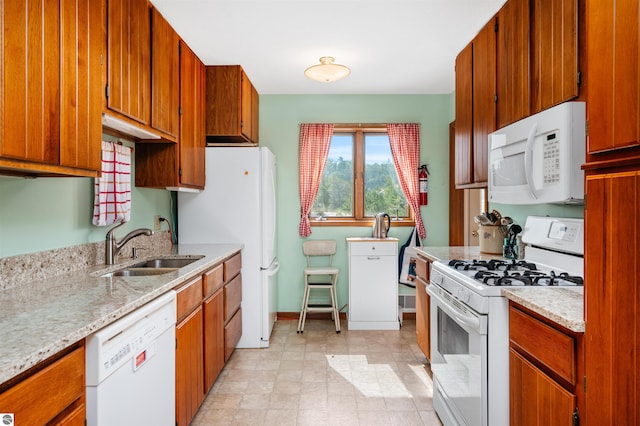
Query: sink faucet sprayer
[(113, 247)]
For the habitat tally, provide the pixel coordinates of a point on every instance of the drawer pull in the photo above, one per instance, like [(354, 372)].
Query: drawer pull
[(373, 257)]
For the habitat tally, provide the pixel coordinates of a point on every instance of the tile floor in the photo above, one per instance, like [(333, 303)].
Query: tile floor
[(324, 378)]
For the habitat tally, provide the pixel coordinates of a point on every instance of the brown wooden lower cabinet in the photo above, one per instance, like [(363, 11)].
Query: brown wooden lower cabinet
[(189, 367), (423, 311), (545, 364), (232, 334), (536, 399), (214, 348), (208, 329), (61, 381)]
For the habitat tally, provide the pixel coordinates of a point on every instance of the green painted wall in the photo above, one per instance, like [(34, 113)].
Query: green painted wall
[(519, 213), (48, 213), (280, 116)]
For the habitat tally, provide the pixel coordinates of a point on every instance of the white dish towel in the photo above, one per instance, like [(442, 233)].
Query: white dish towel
[(112, 201)]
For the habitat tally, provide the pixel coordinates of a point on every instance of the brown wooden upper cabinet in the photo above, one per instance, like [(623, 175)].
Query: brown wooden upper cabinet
[(513, 62), (164, 77), (50, 103), (464, 116), (613, 111), (475, 107), (181, 165), (128, 86), (232, 106), (537, 57), (192, 119), (555, 74)]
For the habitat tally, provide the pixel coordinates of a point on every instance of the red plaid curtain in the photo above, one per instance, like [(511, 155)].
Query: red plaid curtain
[(315, 140), (405, 149)]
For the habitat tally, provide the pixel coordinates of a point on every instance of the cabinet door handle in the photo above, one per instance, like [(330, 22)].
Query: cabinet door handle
[(373, 257)]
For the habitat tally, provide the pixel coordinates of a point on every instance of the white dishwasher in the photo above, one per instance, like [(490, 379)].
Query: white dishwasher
[(131, 368)]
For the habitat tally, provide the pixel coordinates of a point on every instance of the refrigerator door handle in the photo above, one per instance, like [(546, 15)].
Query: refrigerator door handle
[(275, 267)]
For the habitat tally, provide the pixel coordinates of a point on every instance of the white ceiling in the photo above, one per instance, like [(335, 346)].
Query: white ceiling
[(391, 46)]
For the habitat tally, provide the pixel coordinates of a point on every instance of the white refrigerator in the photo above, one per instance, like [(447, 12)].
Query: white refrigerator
[(238, 205)]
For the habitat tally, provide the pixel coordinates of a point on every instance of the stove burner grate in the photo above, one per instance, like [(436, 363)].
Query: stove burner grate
[(527, 278), (492, 265)]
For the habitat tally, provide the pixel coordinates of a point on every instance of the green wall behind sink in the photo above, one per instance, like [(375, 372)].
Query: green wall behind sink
[(48, 213)]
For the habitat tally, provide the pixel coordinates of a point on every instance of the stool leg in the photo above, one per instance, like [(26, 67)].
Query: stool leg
[(303, 309), (334, 304), (335, 297)]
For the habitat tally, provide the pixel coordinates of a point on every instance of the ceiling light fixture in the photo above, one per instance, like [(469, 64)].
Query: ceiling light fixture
[(327, 71)]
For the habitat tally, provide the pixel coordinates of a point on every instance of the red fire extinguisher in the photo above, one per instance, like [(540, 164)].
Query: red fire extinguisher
[(424, 185)]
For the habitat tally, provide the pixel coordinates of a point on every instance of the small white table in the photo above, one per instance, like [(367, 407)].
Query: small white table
[(373, 284)]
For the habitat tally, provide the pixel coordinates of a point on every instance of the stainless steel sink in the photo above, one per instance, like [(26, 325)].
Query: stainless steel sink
[(159, 266), (139, 272), (166, 262)]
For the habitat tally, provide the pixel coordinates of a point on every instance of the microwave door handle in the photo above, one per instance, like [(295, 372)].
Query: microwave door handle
[(528, 161)]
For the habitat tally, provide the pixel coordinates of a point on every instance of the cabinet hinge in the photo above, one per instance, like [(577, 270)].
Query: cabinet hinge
[(495, 98), (575, 420), (180, 172), (106, 91), (179, 110), (579, 78)]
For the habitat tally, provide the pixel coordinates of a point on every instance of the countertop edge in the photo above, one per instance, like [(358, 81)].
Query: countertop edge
[(564, 306)]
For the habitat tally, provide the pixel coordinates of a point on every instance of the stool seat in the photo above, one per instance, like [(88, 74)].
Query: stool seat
[(321, 270), (320, 277)]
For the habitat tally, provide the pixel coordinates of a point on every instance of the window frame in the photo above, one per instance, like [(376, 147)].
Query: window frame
[(358, 181)]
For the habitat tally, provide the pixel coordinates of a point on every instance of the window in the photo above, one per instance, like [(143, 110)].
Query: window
[(359, 180)]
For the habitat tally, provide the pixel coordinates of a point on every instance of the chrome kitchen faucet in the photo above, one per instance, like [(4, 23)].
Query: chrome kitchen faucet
[(112, 247)]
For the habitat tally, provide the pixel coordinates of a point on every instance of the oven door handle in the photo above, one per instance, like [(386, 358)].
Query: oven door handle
[(470, 321)]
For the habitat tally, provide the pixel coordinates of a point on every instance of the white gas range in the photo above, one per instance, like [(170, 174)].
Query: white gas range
[(470, 318)]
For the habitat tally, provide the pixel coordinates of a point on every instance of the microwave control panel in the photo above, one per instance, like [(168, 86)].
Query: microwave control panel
[(551, 156), (551, 163)]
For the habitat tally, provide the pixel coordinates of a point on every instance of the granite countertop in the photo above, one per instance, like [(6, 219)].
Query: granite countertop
[(456, 252), (43, 317), (562, 305)]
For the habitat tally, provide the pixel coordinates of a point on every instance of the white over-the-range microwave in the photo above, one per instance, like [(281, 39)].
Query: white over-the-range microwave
[(537, 159)]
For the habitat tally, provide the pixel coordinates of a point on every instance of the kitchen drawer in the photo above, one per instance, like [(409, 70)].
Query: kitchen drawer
[(550, 346), (232, 266), (378, 248), (47, 393), (422, 268), (232, 334), (189, 296), (232, 297), (213, 279)]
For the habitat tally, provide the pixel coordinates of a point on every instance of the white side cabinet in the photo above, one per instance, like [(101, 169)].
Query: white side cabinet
[(373, 284)]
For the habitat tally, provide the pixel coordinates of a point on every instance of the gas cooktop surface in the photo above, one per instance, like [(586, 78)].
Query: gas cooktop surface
[(512, 273)]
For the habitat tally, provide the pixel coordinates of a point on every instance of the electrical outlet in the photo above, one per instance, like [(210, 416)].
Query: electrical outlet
[(156, 222)]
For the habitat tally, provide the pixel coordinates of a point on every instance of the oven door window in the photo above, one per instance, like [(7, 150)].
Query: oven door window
[(460, 366)]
